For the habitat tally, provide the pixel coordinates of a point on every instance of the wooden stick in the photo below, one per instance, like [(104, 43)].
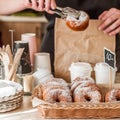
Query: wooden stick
[(8, 50), (15, 63)]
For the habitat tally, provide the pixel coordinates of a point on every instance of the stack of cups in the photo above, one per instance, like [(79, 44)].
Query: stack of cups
[(31, 39), (102, 73), (80, 69), (25, 66)]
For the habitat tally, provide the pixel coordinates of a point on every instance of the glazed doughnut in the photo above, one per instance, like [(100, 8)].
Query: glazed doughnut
[(113, 95), (78, 24)]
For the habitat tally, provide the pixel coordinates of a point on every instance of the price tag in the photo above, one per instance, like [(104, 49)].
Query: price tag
[(109, 58)]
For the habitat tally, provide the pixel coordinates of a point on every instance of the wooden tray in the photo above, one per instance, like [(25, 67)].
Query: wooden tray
[(80, 110)]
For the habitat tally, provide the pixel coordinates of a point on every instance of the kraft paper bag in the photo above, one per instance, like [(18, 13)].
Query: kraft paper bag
[(73, 46)]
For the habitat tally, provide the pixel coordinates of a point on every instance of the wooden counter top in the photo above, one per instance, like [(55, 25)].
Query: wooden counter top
[(25, 112)]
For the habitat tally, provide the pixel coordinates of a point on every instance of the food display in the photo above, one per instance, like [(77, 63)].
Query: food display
[(81, 98), (82, 89), (78, 24)]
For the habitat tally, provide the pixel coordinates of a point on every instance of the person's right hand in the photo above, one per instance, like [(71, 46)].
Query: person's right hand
[(41, 5)]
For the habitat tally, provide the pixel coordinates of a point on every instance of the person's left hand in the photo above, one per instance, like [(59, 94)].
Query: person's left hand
[(110, 21)]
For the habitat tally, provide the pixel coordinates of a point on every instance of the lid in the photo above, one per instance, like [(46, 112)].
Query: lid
[(80, 66)]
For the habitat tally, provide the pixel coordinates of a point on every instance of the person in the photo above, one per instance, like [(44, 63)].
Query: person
[(108, 11), (12, 6)]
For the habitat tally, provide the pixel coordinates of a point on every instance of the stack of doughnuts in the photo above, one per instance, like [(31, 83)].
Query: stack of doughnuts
[(54, 90), (85, 90)]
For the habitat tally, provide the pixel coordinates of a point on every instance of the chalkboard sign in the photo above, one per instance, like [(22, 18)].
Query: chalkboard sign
[(109, 57)]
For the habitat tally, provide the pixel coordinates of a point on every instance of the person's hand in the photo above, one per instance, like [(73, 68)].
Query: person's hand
[(41, 5), (110, 21)]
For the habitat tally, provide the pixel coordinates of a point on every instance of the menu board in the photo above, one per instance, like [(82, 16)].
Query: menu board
[(109, 58)]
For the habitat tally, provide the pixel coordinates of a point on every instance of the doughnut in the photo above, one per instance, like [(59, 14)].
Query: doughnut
[(56, 90), (78, 24), (87, 94), (57, 95), (82, 81), (37, 92), (84, 89), (112, 95), (53, 90), (55, 82)]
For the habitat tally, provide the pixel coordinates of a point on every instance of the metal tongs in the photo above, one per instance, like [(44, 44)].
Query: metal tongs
[(66, 11)]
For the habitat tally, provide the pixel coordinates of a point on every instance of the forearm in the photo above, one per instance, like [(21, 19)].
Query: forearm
[(11, 6)]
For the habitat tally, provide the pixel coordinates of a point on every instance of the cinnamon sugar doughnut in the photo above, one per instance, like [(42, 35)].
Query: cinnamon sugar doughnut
[(78, 24), (113, 95)]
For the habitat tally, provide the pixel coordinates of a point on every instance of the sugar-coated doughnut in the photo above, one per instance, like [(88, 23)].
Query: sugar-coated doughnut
[(113, 95), (82, 81), (78, 24), (85, 90), (53, 90), (57, 95), (87, 94), (37, 92)]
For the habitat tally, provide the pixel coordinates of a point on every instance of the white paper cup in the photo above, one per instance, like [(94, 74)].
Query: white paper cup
[(80, 69), (102, 74), (42, 60)]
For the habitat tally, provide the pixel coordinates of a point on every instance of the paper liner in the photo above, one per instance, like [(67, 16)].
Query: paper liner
[(10, 107), (77, 110), (11, 102), (17, 95)]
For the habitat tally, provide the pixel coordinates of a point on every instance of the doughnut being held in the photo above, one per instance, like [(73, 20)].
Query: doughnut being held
[(78, 24), (113, 95)]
